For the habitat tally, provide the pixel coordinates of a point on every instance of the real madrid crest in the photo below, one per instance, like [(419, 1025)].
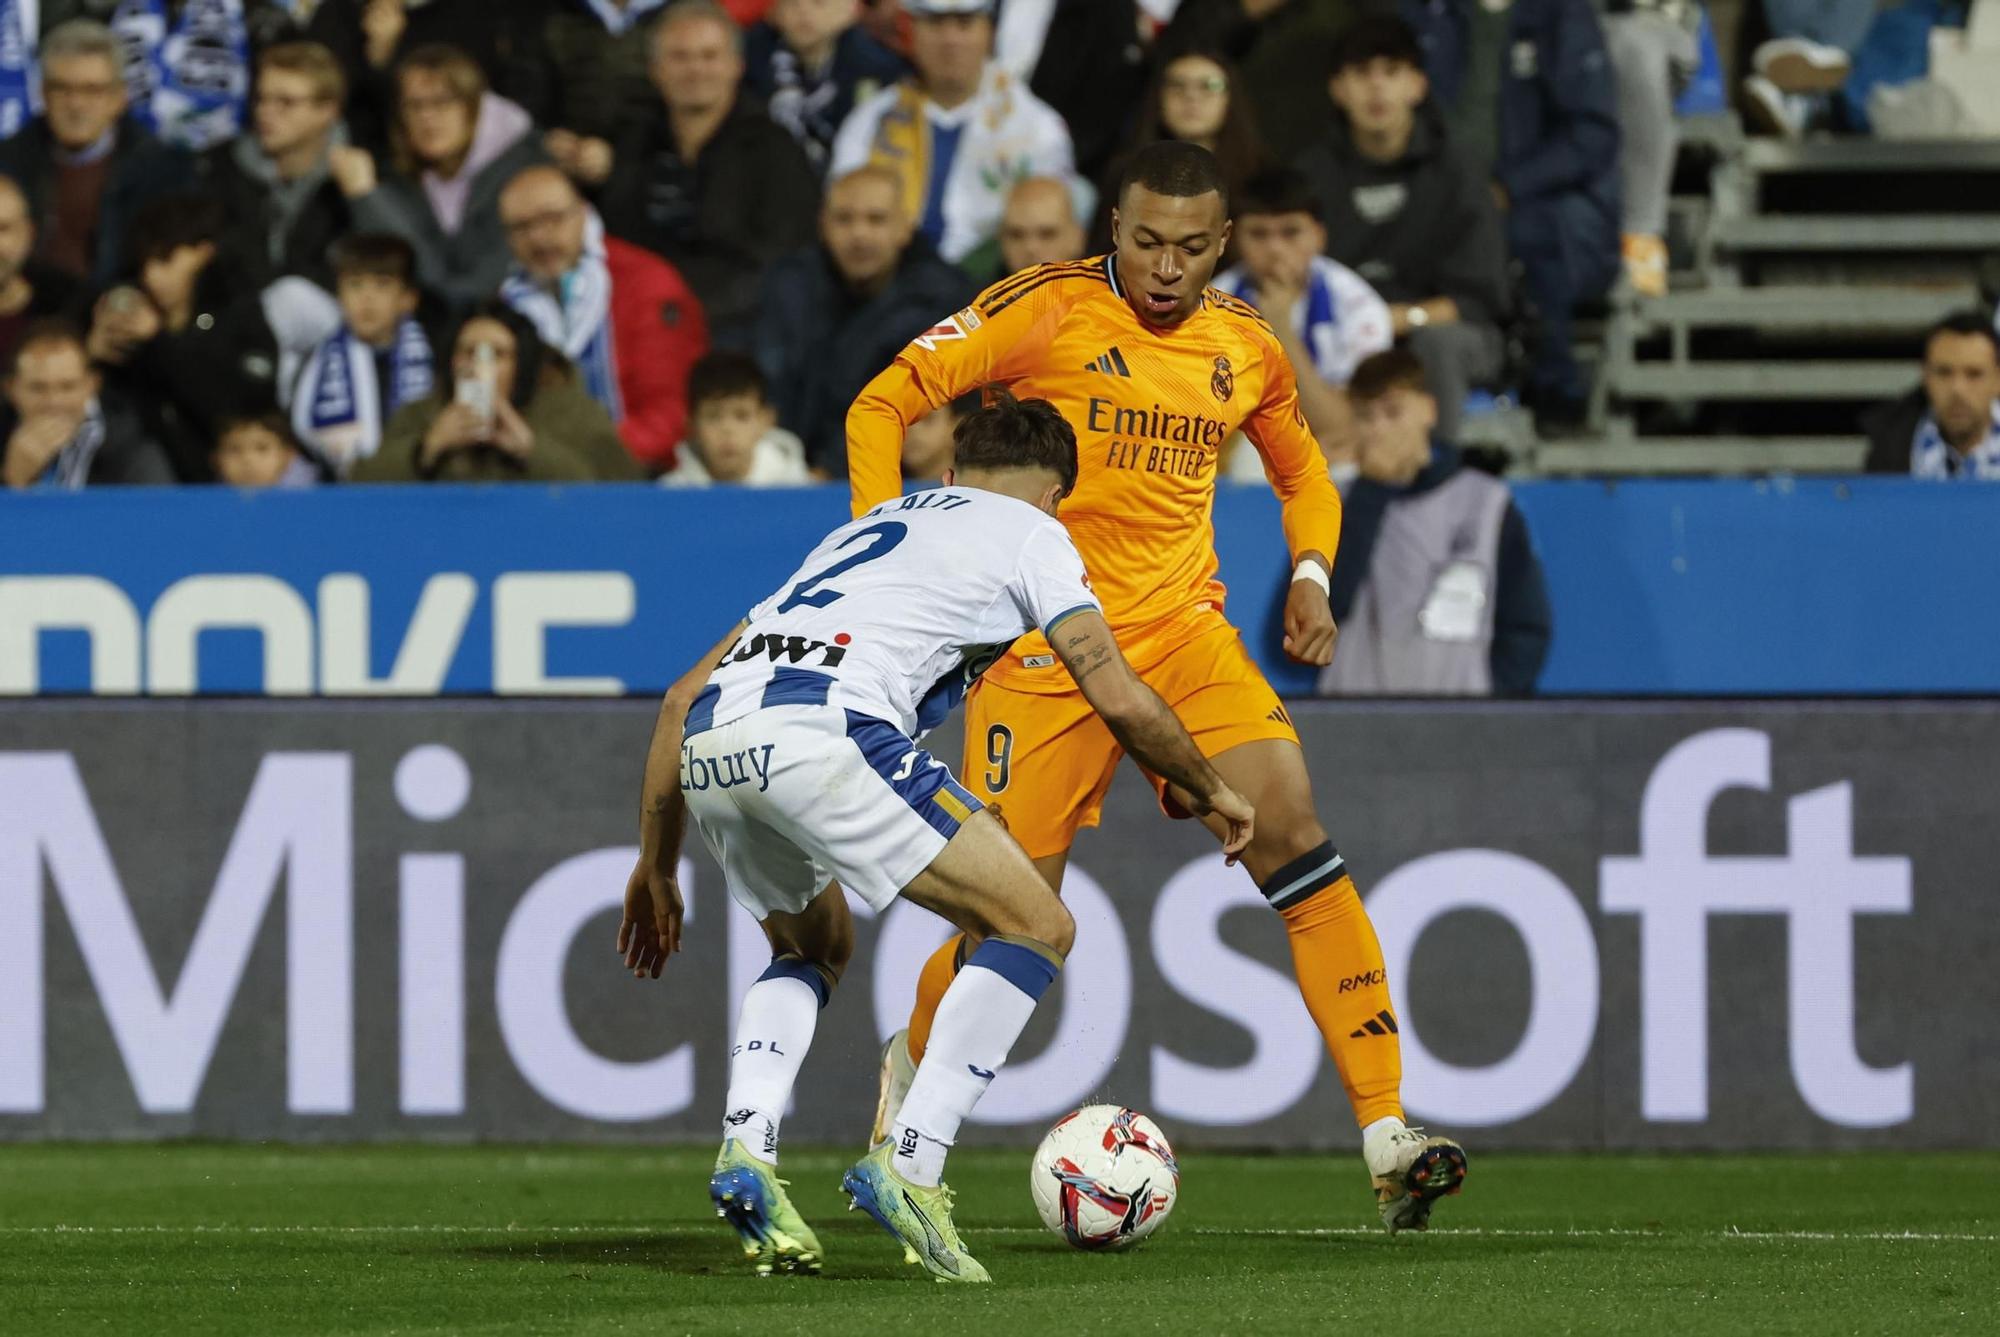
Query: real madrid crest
[(1224, 380)]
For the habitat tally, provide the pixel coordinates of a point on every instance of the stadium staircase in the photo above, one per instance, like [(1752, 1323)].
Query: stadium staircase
[(1809, 272)]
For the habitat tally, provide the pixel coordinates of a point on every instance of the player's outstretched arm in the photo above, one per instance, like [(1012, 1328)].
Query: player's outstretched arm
[(1143, 725), (1009, 322), (650, 931)]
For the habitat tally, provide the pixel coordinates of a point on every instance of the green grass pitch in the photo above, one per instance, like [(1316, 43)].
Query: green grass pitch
[(284, 1240)]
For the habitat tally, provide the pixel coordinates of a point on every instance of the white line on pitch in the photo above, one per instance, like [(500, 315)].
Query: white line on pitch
[(1324, 1232)]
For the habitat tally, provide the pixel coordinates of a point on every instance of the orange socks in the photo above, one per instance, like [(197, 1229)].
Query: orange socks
[(1338, 961), (938, 973)]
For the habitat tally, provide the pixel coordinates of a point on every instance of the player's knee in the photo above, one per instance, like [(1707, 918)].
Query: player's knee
[(824, 941), (1055, 926), (835, 950), (1037, 913), (1285, 836)]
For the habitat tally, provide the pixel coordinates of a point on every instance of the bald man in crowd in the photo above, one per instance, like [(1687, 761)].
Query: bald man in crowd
[(837, 313), (1039, 225), (623, 315)]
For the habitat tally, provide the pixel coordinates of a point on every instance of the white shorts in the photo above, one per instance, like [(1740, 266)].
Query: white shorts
[(792, 797)]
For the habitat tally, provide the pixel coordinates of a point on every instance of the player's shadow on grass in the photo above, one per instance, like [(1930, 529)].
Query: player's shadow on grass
[(862, 1252)]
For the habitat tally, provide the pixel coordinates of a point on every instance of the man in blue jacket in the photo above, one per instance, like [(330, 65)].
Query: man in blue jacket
[(835, 314), (1528, 89)]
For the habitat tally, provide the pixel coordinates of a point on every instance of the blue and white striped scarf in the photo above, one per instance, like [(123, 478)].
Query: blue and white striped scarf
[(1319, 316), (69, 471), (19, 95), (338, 409), (1931, 456), (188, 83), (577, 317)]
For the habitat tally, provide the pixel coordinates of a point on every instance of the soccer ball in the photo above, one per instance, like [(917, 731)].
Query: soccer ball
[(1105, 1178)]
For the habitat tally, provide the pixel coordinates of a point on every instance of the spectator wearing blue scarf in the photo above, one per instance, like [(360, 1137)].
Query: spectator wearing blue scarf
[(624, 316), (1326, 316), (1948, 429), (58, 430), (810, 62)]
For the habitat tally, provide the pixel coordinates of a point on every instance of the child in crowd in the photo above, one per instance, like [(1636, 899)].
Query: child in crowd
[(1326, 316), (927, 446), (733, 432), (378, 361), (261, 452)]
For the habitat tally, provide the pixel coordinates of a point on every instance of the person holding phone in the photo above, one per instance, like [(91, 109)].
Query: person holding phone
[(511, 411)]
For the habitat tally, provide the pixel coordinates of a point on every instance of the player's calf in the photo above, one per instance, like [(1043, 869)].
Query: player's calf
[(774, 1030), (984, 883)]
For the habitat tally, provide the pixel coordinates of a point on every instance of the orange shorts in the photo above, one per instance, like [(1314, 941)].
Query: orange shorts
[(1045, 759)]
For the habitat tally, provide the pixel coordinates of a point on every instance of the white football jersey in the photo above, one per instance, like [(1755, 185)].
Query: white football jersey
[(896, 614)]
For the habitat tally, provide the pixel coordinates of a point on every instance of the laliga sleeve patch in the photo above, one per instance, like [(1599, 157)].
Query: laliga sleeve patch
[(955, 326)]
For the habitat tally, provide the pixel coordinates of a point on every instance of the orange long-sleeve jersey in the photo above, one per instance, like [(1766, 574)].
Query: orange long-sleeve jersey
[(1153, 410)]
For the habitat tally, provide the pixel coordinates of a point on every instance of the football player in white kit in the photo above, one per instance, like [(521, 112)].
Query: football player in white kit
[(793, 745)]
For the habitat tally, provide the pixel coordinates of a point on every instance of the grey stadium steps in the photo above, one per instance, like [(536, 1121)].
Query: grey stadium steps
[(1855, 232), (1658, 455), (1803, 308), (1762, 380)]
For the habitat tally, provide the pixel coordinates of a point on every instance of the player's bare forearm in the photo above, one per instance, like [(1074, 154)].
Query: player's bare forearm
[(1141, 722), (1157, 740), (662, 809)]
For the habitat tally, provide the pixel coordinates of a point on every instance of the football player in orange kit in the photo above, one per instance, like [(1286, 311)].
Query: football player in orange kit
[(1156, 371)]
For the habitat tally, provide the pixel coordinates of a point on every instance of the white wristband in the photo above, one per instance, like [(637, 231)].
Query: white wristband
[(1308, 569)]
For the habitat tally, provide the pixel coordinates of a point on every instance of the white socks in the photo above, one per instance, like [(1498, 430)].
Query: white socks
[(983, 1013), (773, 1033)]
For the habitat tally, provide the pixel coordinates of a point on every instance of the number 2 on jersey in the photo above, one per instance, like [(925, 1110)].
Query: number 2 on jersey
[(805, 594)]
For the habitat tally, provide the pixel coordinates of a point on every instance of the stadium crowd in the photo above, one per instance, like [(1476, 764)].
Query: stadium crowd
[(372, 240)]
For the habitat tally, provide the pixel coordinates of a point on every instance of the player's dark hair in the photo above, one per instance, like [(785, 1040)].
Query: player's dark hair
[(374, 254), (1176, 168), (726, 376), (1376, 37), (1380, 373), (1278, 190), (1012, 433), (1964, 323)]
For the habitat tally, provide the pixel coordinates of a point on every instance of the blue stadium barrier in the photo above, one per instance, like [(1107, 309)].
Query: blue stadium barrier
[(1704, 587)]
